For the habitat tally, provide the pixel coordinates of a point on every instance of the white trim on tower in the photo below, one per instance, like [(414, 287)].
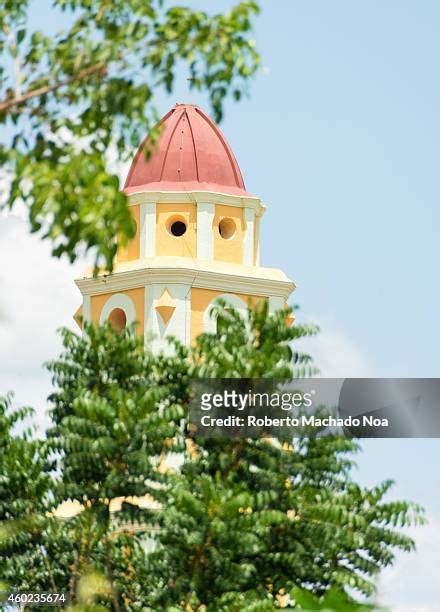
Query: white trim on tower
[(122, 301), (156, 331), (257, 239), (209, 324), (142, 230), (197, 276), (87, 308), (276, 303), (148, 229), (248, 244), (186, 197), (205, 236)]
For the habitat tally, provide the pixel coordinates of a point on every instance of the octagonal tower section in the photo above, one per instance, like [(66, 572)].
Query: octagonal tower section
[(197, 238)]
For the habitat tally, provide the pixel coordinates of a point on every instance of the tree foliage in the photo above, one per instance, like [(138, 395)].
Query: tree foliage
[(72, 98), (228, 524), (251, 521), (23, 484)]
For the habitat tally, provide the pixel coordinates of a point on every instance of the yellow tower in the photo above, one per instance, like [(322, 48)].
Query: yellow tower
[(197, 238)]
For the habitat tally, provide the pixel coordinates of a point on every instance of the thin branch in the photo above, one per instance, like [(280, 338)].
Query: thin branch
[(110, 574), (73, 578), (49, 571), (100, 69)]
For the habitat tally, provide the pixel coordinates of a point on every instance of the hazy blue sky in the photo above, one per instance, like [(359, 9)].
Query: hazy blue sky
[(340, 138)]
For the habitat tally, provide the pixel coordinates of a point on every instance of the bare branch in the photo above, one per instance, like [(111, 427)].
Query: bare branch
[(100, 69)]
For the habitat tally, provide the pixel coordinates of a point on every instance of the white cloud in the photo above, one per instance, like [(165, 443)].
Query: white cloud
[(411, 585), (335, 353), (37, 296)]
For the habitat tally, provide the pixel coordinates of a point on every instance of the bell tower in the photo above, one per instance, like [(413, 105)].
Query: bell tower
[(197, 238)]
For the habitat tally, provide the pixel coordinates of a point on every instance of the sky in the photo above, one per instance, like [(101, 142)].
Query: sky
[(340, 137)]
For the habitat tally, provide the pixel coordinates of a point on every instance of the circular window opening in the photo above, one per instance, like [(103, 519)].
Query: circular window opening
[(226, 228), (117, 319), (177, 227)]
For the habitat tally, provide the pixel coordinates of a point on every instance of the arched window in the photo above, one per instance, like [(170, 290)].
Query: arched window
[(117, 319), (119, 310), (209, 323)]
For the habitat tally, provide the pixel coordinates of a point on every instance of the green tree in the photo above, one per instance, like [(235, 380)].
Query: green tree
[(114, 418), (241, 525), (76, 95), (248, 521), (29, 539)]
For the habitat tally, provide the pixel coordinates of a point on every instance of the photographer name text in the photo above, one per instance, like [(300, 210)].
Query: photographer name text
[(289, 421)]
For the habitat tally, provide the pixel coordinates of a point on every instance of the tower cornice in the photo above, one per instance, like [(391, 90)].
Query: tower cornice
[(170, 270), (186, 197)]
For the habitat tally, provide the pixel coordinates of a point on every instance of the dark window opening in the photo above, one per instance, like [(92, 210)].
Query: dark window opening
[(178, 228), (117, 319)]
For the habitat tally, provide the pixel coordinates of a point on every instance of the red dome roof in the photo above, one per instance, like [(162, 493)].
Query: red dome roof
[(192, 155)]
